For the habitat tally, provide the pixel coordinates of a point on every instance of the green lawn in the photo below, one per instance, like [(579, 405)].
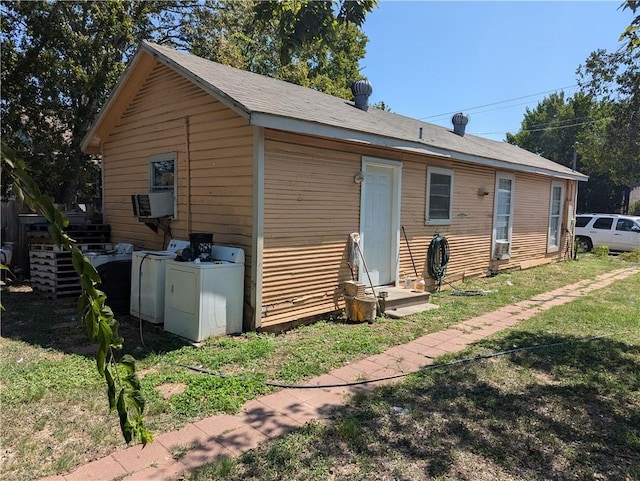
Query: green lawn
[(568, 411), (49, 383)]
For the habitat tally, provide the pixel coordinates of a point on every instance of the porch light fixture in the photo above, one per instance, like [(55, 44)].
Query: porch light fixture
[(358, 178), (482, 192)]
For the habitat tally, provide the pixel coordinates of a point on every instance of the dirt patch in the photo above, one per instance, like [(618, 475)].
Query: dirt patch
[(170, 389), (143, 372)]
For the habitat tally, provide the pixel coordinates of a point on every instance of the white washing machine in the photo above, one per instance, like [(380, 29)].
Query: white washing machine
[(205, 299), (148, 279)]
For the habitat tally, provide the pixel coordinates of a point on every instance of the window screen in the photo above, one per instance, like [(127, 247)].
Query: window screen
[(439, 195), (162, 172)]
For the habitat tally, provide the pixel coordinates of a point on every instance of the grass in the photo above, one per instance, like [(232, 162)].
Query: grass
[(48, 379), (564, 411)]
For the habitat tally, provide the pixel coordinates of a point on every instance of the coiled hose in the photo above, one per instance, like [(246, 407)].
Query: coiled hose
[(438, 258)]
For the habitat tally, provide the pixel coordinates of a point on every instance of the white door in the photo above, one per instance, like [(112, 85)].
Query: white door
[(379, 223)]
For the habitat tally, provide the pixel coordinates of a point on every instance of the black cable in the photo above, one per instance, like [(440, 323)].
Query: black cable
[(497, 103), (438, 258), (140, 296), (464, 360)]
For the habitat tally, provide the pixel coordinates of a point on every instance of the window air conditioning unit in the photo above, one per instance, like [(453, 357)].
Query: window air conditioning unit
[(152, 205), (501, 250)]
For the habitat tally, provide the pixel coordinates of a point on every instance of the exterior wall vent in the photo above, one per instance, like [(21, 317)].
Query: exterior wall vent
[(460, 121), (362, 90)]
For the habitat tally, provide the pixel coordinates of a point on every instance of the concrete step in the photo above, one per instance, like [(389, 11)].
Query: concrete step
[(400, 312), (397, 297)]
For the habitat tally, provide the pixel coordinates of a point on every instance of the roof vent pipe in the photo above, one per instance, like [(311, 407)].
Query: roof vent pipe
[(460, 121), (361, 90)]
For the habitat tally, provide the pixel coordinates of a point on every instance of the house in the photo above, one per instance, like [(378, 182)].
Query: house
[(288, 173)]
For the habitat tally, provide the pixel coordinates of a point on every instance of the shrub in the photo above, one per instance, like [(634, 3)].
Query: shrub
[(601, 250)]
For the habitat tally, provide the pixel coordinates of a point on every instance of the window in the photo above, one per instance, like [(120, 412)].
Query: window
[(582, 220), (439, 195), (162, 172), (503, 215), (162, 176), (625, 225), (604, 223), (555, 216)]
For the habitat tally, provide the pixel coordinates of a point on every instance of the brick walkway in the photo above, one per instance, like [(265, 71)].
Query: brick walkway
[(276, 414)]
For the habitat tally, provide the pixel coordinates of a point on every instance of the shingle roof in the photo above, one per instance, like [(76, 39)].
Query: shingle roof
[(275, 103)]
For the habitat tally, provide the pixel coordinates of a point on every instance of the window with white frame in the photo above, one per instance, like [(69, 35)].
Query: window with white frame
[(503, 215), (439, 195), (555, 216), (162, 176)]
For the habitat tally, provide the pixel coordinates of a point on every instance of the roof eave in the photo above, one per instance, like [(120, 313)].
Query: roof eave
[(266, 120)]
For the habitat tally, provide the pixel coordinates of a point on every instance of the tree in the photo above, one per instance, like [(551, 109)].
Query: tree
[(303, 22), (631, 35), (554, 129), (317, 44), (604, 130), (612, 147), (61, 59), (59, 62)]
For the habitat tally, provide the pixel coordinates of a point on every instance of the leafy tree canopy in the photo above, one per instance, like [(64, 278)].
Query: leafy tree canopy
[(555, 129), (612, 146), (632, 33), (601, 121), (317, 44), (61, 59)]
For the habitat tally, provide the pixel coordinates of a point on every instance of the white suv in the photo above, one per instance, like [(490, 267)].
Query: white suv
[(619, 232)]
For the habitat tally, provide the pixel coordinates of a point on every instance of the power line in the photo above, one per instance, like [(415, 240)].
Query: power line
[(557, 122), (557, 127), (497, 103)]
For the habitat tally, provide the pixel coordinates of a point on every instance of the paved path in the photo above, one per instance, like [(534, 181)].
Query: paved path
[(276, 414)]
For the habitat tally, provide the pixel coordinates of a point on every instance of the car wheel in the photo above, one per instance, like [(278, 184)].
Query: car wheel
[(584, 244)]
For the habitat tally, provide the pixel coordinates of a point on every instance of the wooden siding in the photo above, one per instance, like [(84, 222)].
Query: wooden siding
[(310, 209), (312, 205), (530, 218), (469, 233), (531, 223), (171, 114)]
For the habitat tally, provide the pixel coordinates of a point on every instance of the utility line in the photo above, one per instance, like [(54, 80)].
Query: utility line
[(428, 367), (557, 127), (558, 122), (496, 103)]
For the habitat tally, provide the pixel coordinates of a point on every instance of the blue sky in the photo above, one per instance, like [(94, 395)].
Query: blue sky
[(428, 58)]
